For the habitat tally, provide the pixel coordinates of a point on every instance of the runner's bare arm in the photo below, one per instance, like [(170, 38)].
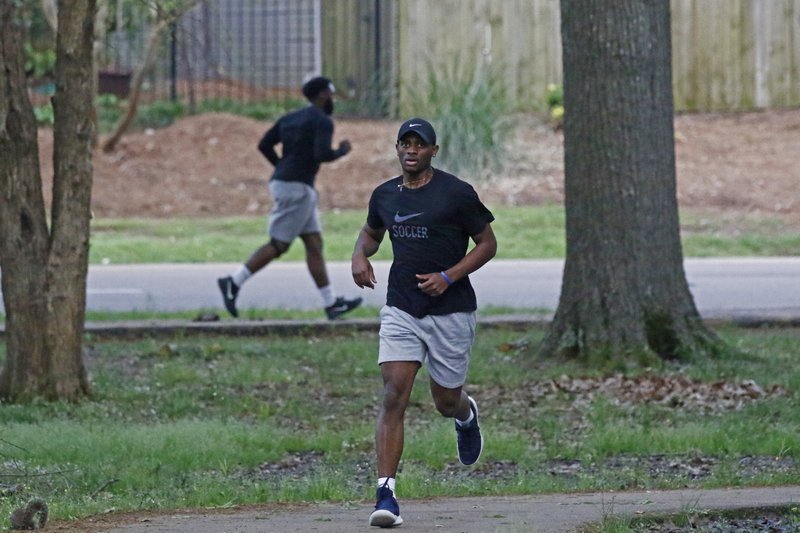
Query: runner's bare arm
[(368, 242)]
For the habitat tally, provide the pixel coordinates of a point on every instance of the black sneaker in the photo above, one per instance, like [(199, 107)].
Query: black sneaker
[(470, 440), (229, 291), (387, 511), (341, 306)]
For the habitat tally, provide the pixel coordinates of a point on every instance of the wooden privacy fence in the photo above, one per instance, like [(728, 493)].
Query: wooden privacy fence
[(727, 54)]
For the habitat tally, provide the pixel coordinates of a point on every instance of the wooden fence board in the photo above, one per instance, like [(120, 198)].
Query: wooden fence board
[(727, 54)]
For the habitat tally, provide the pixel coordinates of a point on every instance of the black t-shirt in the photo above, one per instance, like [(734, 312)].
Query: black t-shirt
[(430, 228), (306, 136)]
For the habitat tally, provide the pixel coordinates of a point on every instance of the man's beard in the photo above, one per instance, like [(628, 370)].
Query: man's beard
[(327, 107)]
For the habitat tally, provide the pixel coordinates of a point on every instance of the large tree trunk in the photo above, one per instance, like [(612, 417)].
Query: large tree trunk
[(624, 292), (44, 273), (24, 244)]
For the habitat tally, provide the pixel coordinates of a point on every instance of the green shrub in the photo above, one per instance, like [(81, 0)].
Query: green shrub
[(555, 104), (44, 114), (39, 63), (158, 114), (263, 110), (555, 96), (109, 111)]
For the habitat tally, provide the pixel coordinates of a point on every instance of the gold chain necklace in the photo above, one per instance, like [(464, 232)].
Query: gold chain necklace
[(420, 181)]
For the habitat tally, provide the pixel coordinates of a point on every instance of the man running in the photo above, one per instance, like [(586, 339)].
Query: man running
[(306, 136), (429, 316)]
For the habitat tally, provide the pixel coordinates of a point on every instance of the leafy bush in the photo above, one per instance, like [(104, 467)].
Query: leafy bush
[(39, 63), (163, 113), (109, 111), (555, 104), (158, 114), (264, 110), (555, 96), (44, 114)]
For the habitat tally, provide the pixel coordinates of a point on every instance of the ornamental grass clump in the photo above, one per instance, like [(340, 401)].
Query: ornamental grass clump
[(468, 107)]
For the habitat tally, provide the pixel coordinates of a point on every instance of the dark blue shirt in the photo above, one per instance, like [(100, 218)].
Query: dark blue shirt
[(430, 228), (306, 136)]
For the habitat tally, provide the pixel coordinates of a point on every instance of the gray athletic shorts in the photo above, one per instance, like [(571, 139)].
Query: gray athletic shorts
[(444, 342), (294, 211)]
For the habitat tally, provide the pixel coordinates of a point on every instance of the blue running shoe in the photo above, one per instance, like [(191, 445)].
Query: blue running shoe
[(470, 440), (387, 511)]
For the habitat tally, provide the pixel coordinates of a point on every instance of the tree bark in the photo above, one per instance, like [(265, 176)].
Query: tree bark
[(624, 292), (24, 244), (44, 272)]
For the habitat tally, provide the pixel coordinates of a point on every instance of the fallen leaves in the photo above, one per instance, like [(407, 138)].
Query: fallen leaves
[(671, 390)]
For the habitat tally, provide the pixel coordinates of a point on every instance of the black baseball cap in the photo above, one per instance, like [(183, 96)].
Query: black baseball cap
[(314, 86), (419, 126)]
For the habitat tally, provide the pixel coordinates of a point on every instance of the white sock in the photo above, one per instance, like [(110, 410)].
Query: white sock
[(467, 421), (241, 275), (328, 297), (391, 481)]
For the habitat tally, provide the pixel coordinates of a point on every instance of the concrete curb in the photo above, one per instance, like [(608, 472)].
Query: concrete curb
[(168, 328), (260, 328)]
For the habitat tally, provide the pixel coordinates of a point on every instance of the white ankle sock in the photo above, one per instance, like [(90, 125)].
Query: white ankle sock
[(468, 421), (382, 481), (328, 296), (241, 275)]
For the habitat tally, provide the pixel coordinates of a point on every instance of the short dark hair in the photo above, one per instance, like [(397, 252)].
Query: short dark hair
[(314, 86)]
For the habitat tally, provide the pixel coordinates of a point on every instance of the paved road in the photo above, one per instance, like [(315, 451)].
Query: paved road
[(543, 514), (721, 286)]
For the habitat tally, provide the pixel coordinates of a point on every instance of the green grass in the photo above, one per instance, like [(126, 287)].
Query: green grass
[(532, 232), (214, 421)]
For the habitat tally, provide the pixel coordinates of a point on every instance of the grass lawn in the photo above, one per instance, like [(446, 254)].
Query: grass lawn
[(522, 233), (219, 421)]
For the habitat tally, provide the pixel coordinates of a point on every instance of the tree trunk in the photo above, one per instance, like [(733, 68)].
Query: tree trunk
[(23, 248), (44, 273), (624, 292)]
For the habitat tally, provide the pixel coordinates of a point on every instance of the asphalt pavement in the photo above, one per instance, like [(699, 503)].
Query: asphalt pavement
[(722, 287)]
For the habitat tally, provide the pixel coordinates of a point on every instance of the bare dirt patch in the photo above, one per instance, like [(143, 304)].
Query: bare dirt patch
[(208, 165)]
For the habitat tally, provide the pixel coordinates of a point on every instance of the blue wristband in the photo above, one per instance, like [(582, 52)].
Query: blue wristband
[(449, 282)]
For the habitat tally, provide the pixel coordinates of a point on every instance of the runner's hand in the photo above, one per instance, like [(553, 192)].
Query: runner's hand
[(363, 275), (432, 284)]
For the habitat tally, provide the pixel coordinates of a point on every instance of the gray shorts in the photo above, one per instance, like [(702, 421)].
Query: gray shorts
[(294, 211), (444, 342)]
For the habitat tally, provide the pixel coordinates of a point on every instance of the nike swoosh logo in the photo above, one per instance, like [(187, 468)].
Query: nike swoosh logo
[(229, 291), (342, 307), (414, 125), (399, 219)]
